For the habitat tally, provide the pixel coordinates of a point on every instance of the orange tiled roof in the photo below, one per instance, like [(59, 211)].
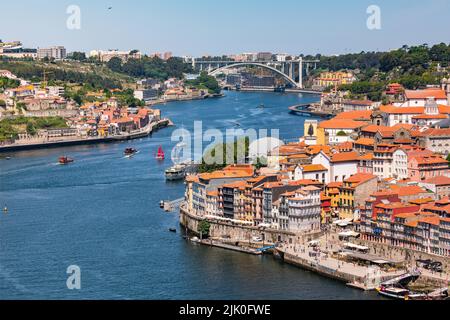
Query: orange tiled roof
[(359, 178), (402, 110), (367, 156), (365, 141), (355, 115), (344, 157), (334, 185), (429, 159), (426, 93), (440, 181), (313, 168), (429, 219), (437, 132), (403, 191), (341, 124)]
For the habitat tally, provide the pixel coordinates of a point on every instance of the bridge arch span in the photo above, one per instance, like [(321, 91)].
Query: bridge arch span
[(234, 65)]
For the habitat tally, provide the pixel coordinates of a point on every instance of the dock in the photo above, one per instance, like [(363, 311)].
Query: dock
[(303, 109), (170, 206), (352, 275), (222, 245)]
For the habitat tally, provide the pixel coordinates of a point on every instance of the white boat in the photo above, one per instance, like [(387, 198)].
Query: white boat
[(393, 292), (400, 293), (177, 172)]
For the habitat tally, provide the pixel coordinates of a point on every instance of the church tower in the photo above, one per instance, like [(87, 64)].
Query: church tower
[(431, 107)]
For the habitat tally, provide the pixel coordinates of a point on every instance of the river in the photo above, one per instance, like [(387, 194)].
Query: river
[(101, 213)]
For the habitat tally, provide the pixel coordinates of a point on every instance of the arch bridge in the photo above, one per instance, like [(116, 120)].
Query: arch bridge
[(290, 70)]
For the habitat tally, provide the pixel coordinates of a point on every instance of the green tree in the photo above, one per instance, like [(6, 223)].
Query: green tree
[(31, 130), (203, 229), (115, 64), (79, 56)]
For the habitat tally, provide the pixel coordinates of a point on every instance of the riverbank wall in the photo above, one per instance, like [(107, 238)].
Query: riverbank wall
[(153, 127), (235, 237), (164, 101), (228, 230)]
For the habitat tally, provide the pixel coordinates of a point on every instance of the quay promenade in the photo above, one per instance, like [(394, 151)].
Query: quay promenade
[(143, 132), (323, 263), (293, 249)]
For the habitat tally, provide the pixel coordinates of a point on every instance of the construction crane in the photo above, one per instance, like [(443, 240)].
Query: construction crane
[(44, 75)]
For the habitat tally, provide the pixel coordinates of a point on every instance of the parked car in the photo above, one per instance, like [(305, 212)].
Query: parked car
[(257, 239), (436, 266), (423, 263)]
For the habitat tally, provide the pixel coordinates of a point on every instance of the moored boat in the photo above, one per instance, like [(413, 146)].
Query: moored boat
[(393, 292), (181, 170), (400, 293), (65, 160), (177, 172)]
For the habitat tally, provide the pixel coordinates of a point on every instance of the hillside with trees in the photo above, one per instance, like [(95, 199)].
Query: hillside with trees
[(413, 67)]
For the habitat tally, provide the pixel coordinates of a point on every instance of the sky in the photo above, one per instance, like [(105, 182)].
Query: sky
[(212, 27)]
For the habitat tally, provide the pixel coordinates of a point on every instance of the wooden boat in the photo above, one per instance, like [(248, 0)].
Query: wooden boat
[(65, 160), (130, 152), (160, 155)]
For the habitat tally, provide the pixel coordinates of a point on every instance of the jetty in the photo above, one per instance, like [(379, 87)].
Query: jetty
[(170, 206), (305, 110), (226, 246)]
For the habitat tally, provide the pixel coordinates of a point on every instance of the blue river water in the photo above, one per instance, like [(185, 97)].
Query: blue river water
[(102, 214)]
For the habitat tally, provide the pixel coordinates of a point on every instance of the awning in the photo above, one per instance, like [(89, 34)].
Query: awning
[(349, 234), (355, 246)]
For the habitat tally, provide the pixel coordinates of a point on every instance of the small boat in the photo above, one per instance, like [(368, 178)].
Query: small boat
[(393, 292), (400, 293), (129, 152), (5, 209), (173, 230), (261, 106), (8, 158), (161, 204), (160, 155), (195, 239), (65, 160)]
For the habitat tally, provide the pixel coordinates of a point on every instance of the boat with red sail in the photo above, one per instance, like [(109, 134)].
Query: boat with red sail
[(160, 155), (65, 160)]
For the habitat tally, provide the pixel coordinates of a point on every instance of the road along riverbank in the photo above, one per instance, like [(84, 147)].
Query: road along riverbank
[(137, 134), (293, 249)]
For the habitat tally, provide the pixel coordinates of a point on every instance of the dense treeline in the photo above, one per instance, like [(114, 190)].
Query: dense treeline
[(10, 128), (209, 163), (35, 73), (406, 58), (150, 67), (204, 81), (413, 67), (8, 83)]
